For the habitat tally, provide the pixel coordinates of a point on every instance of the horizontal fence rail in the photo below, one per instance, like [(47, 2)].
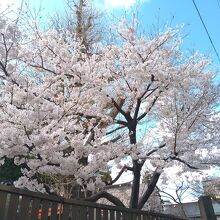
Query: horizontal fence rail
[(18, 204)]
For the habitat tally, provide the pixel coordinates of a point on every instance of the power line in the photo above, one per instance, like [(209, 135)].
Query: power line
[(210, 39)]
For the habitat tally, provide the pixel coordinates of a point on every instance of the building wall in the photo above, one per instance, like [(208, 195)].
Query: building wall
[(123, 192), (190, 209)]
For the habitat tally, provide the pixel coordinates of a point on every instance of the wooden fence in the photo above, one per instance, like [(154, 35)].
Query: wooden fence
[(17, 204)]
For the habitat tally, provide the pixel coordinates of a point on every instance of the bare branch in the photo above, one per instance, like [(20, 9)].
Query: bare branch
[(114, 112), (184, 162), (137, 108), (167, 195), (3, 67), (140, 98), (112, 140), (43, 68), (121, 123), (127, 116), (151, 106), (142, 116), (119, 174), (114, 130), (156, 149), (128, 85)]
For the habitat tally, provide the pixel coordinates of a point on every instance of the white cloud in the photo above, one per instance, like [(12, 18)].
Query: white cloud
[(122, 3)]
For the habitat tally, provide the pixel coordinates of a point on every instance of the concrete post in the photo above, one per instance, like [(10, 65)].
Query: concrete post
[(206, 208)]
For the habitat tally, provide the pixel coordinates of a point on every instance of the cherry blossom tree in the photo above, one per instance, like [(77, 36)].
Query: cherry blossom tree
[(67, 113)]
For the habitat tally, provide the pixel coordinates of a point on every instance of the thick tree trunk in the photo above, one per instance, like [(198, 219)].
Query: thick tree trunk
[(135, 185), (136, 170)]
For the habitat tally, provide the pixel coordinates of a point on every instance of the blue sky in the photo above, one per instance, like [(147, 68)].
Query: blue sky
[(184, 12), (177, 12), (152, 12), (174, 12)]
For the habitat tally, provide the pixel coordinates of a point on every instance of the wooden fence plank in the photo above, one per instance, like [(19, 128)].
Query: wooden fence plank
[(84, 212), (118, 215), (25, 208), (53, 210), (35, 205), (151, 217), (139, 217), (98, 214), (76, 212), (91, 213), (7, 206), (59, 211), (3, 199), (105, 214), (112, 215), (126, 216), (45, 204), (146, 217), (13, 207), (66, 212)]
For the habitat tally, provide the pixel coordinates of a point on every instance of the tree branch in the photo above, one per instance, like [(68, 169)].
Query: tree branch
[(137, 108), (106, 195), (116, 129), (124, 123), (142, 116), (114, 111), (139, 100), (149, 189), (43, 68), (184, 162), (119, 174), (112, 140), (168, 195), (127, 117), (4, 69), (154, 150), (151, 106)]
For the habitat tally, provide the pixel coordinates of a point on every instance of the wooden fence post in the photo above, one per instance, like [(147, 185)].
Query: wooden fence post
[(206, 208)]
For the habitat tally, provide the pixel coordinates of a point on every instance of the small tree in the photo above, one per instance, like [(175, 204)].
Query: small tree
[(83, 21), (57, 103), (9, 172)]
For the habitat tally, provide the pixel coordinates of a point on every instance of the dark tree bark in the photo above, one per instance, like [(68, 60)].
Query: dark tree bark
[(106, 195), (149, 190), (132, 124), (135, 185)]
